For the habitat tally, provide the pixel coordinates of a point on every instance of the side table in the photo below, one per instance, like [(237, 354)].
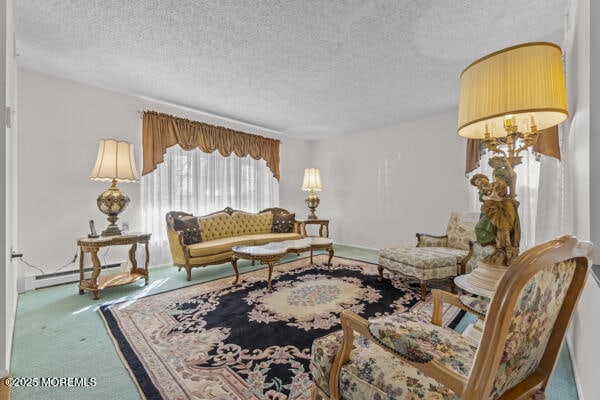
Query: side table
[(323, 226), (462, 281), (97, 282), (472, 331)]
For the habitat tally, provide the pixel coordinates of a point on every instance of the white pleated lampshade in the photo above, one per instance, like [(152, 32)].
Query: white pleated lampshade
[(115, 161), (312, 180), (518, 82)]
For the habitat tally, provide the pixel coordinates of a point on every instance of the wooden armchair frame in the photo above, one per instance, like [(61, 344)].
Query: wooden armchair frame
[(479, 383)]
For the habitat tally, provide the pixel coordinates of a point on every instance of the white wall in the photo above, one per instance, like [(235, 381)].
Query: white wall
[(583, 183), (577, 128), (60, 123), (380, 187), (8, 276), (594, 65), (295, 156)]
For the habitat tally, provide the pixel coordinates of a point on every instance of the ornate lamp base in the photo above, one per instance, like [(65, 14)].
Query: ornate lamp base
[(112, 202), (112, 229), (312, 202), (486, 276)]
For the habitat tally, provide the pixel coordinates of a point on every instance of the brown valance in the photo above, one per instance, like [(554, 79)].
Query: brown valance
[(547, 144), (161, 131)]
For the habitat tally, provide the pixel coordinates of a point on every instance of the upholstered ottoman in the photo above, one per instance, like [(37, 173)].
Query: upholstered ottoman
[(422, 263)]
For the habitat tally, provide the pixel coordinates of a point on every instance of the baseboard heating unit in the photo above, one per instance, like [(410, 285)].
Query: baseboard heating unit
[(31, 282)]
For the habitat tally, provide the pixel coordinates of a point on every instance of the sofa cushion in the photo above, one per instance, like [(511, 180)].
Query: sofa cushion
[(461, 229), (417, 340), (217, 246), (458, 253), (213, 258), (283, 223), (423, 274), (421, 257), (264, 238), (250, 224), (188, 225), (217, 226)]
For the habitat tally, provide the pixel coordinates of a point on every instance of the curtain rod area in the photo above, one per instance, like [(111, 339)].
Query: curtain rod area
[(140, 114)]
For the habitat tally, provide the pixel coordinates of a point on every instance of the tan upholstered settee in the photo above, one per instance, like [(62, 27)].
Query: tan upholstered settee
[(221, 231), (437, 257)]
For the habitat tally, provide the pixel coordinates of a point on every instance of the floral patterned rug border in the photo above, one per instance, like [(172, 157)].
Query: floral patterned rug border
[(214, 340)]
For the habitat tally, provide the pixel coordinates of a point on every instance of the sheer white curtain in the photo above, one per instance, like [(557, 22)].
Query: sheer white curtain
[(552, 201), (199, 183), (528, 178)]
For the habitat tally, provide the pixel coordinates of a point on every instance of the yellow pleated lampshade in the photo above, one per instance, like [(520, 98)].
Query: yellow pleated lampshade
[(522, 81)]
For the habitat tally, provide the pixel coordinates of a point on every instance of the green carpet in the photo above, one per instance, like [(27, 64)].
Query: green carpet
[(61, 334)]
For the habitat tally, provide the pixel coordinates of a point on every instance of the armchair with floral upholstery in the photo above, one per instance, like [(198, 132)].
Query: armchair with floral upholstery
[(406, 356)]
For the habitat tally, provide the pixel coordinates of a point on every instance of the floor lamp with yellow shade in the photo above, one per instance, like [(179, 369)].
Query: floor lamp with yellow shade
[(114, 163), (506, 99)]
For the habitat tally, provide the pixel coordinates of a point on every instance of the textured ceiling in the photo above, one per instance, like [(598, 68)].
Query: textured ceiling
[(306, 68)]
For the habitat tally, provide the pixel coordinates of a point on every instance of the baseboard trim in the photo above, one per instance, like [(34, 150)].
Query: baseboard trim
[(575, 371), (355, 245), (150, 267)]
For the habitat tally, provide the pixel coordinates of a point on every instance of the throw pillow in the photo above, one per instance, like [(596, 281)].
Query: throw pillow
[(283, 223), (188, 224)]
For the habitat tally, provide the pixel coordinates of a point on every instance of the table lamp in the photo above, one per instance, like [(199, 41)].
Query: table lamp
[(114, 163), (312, 183)]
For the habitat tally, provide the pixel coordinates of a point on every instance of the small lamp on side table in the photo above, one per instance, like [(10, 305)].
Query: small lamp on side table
[(312, 183), (114, 163)]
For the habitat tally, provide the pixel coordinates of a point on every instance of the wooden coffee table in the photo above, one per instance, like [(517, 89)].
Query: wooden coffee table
[(271, 253)]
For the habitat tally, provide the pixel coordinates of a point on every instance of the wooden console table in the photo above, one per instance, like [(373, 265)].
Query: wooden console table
[(323, 228), (97, 282)]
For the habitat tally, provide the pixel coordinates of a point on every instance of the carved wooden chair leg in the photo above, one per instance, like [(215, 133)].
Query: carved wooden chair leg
[(316, 393), (423, 288), (313, 393), (188, 271), (380, 269)]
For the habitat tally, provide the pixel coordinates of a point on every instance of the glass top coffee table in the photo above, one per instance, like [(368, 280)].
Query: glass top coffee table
[(272, 253)]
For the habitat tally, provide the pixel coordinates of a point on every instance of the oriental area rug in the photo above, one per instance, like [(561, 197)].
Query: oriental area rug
[(217, 341)]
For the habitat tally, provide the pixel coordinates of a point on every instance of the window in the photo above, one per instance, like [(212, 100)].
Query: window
[(200, 183)]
